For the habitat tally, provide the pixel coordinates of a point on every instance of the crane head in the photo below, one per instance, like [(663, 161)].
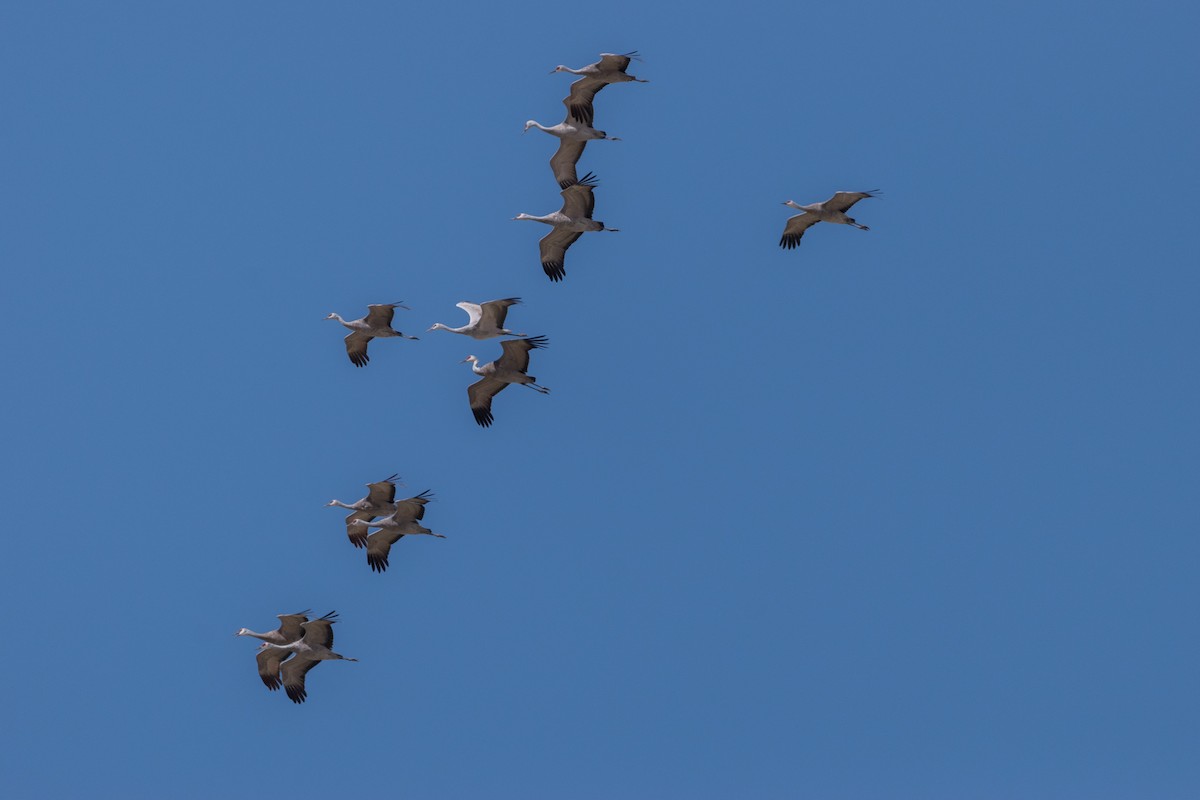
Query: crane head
[(242, 632), (469, 358), (529, 124), (559, 68)]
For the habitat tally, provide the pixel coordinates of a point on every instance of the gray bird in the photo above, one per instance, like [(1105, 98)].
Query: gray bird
[(832, 210), (376, 324)]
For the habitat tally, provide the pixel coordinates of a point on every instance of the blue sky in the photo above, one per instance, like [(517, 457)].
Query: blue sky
[(908, 513)]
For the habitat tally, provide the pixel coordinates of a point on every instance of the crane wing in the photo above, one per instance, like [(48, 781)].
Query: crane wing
[(269, 659), (378, 547), (795, 228), (553, 248), (474, 312), (516, 352), (615, 62), (293, 677), (290, 627), (842, 201), (358, 533), (413, 508), (495, 311), (382, 492), (356, 347), (579, 101), (578, 200), (563, 162), (480, 394), (319, 632), (380, 315)]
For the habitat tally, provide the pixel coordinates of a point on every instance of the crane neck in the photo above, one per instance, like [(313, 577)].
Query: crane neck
[(246, 632), (531, 217)]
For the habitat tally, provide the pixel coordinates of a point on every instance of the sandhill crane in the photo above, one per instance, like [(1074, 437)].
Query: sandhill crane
[(569, 224), (508, 368), (290, 629), (609, 69), (376, 324), (315, 646), (486, 319), (392, 528), (832, 210), (377, 503), (574, 136)]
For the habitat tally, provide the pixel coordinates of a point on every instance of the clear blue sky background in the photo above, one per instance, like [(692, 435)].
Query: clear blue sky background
[(909, 513)]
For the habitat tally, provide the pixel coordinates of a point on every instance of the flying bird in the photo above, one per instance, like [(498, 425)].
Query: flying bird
[(377, 503), (376, 324), (315, 646), (393, 528), (486, 320), (569, 223), (832, 210), (574, 136), (290, 629), (609, 69), (508, 368)]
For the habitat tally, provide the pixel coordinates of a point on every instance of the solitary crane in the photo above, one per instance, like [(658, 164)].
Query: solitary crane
[(376, 324), (508, 368), (486, 320), (392, 528), (377, 503), (609, 69), (569, 224), (574, 136), (290, 629), (315, 646), (832, 210)]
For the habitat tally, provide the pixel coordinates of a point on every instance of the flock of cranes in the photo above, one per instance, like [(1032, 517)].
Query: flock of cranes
[(486, 322), (288, 653), (575, 217)]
